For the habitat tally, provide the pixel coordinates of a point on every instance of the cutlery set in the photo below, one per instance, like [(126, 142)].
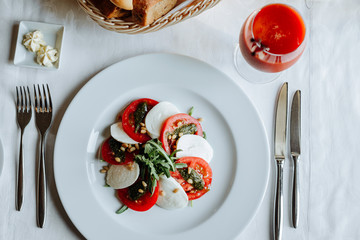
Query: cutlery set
[(280, 132), (43, 116)]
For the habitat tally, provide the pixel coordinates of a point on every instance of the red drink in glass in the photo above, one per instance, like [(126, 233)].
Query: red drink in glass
[(273, 38)]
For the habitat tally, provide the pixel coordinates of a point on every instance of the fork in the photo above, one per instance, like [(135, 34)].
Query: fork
[(43, 115), (23, 116)]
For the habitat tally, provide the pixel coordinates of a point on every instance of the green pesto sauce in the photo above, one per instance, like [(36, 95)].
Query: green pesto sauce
[(198, 182), (139, 114), (185, 129), (115, 148), (134, 193)]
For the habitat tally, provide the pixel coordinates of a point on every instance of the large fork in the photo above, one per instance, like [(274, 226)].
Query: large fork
[(23, 116), (43, 114)]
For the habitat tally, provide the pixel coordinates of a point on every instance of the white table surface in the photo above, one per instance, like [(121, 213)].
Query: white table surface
[(326, 74)]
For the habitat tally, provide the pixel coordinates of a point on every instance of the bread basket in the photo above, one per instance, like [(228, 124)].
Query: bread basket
[(121, 26)]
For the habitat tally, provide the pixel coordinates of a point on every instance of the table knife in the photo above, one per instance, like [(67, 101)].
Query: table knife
[(279, 155), (295, 136)]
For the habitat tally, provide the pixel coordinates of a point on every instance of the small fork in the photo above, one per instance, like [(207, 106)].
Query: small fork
[(43, 115), (23, 116)]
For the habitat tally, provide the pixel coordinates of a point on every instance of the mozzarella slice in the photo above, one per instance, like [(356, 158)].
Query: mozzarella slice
[(122, 176), (194, 146), (172, 195), (156, 117), (117, 132)]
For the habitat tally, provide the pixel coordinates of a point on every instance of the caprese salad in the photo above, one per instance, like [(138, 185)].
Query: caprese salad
[(156, 155)]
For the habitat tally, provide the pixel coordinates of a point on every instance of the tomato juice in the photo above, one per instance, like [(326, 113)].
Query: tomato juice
[(273, 38)]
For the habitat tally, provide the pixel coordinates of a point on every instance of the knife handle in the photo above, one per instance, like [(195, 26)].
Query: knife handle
[(295, 192), (278, 209)]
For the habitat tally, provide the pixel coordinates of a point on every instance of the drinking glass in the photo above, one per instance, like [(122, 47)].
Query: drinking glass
[(271, 40)]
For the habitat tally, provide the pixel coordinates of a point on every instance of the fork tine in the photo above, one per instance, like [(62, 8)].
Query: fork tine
[(25, 100), (29, 98), (45, 99), (17, 100), (36, 100), (40, 99), (50, 102), (21, 100)]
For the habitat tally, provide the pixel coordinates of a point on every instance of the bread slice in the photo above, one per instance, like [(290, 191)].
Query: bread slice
[(146, 12), (108, 9), (123, 4)]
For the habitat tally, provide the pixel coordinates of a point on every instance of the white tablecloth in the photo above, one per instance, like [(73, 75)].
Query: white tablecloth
[(326, 74)]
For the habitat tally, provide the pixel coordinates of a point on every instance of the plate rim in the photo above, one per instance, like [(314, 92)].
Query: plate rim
[(2, 156)]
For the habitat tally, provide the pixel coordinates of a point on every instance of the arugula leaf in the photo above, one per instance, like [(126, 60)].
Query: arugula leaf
[(191, 111), (122, 209), (204, 134), (180, 165), (174, 152)]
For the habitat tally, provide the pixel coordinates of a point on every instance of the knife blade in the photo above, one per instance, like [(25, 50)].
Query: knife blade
[(295, 140), (279, 155)]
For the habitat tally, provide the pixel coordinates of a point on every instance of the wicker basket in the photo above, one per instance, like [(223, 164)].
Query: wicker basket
[(121, 26)]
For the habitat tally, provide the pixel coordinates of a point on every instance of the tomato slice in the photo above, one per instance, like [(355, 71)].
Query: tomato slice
[(144, 203), (108, 156), (175, 122), (202, 168), (128, 120)]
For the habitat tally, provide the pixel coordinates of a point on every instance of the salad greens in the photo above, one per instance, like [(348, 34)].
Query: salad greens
[(156, 162)]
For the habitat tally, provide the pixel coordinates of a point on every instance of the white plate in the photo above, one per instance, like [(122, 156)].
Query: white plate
[(234, 129), (53, 36), (1, 157)]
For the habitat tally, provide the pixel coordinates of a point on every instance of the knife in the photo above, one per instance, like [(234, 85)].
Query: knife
[(295, 136), (279, 152)]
